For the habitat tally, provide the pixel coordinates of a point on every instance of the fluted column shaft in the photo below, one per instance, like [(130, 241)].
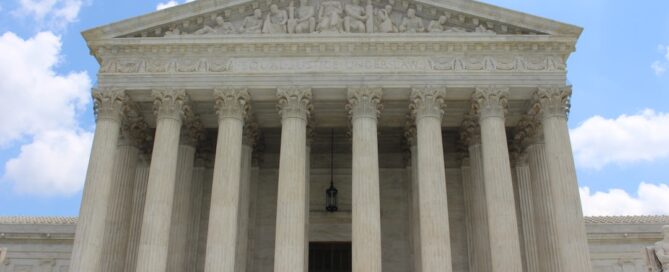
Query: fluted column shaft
[(138, 199), (195, 213), (232, 105), (291, 220), (502, 223), (88, 241), (245, 196), (170, 106), (524, 179), (119, 211), (181, 216), (427, 109), (364, 107), (544, 211), (414, 205), (475, 197), (554, 105)]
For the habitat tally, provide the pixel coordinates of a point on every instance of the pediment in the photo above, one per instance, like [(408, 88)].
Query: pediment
[(254, 18)]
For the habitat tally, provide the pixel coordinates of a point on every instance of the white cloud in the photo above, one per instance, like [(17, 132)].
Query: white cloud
[(660, 66), (52, 14), (598, 141), (40, 107), (53, 164), (650, 200), (170, 4)]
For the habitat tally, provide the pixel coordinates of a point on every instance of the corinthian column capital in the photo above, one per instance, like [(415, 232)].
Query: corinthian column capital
[(427, 102), (364, 102), (171, 103), (552, 101), (109, 103), (232, 102), (192, 132), (251, 134), (470, 131), (294, 102), (490, 101)]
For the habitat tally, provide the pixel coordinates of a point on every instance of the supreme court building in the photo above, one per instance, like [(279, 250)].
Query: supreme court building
[(442, 124)]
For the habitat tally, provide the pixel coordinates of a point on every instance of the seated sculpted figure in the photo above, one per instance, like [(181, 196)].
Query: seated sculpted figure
[(662, 250), (173, 31), (221, 27), (355, 17), (304, 21), (412, 23), (276, 20), (483, 29), (384, 24), (252, 24), (330, 16), (437, 25)]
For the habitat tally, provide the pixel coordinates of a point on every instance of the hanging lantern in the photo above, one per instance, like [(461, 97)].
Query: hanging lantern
[(331, 193)]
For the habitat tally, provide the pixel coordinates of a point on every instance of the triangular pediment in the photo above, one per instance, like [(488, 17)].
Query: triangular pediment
[(437, 17)]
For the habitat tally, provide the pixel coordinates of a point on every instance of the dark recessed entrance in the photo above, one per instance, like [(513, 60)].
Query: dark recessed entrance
[(330, 257)]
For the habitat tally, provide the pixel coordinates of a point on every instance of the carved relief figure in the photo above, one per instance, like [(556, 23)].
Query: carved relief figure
[(384, 24), (330, 16), (276, 20), (412, 23), (483, 29), (437, 25), (173, 31), (252, 24), (355, 17), (305, 21), (221, 27)]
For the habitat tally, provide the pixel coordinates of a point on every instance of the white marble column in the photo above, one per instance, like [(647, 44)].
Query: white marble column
[(427, 109), (475, 196), (87, 253), (232, 106), (364, 108), (170, 106), (524, 181), (291, 219), (195, 212), (119, 211), (490, 104), (138, 199), (250, 134), (410, 135), (253, 212), (181, 207), (553, 103)]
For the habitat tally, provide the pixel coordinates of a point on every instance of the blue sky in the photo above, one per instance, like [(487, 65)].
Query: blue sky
[(619, 119)]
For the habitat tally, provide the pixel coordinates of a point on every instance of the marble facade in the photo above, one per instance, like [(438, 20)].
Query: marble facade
[(451, 120)]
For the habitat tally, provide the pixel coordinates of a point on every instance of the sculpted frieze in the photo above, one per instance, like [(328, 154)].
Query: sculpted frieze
[(331, 16), (449, 63)]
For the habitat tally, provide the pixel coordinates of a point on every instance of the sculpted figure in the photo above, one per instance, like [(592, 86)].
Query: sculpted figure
[(384, 24), (305, 21), (221, 27), (276, 20), (662, 250), (173, 31), (482, 29), (437, 25), (412, 23), (252, 24), (456, 29), (330, 16), (3, 255), (355, 17)]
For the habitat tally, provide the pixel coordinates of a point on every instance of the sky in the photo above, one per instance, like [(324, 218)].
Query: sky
[(619, 121)]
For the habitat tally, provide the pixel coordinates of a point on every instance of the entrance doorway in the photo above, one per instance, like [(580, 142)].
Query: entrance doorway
[(330, 257)]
